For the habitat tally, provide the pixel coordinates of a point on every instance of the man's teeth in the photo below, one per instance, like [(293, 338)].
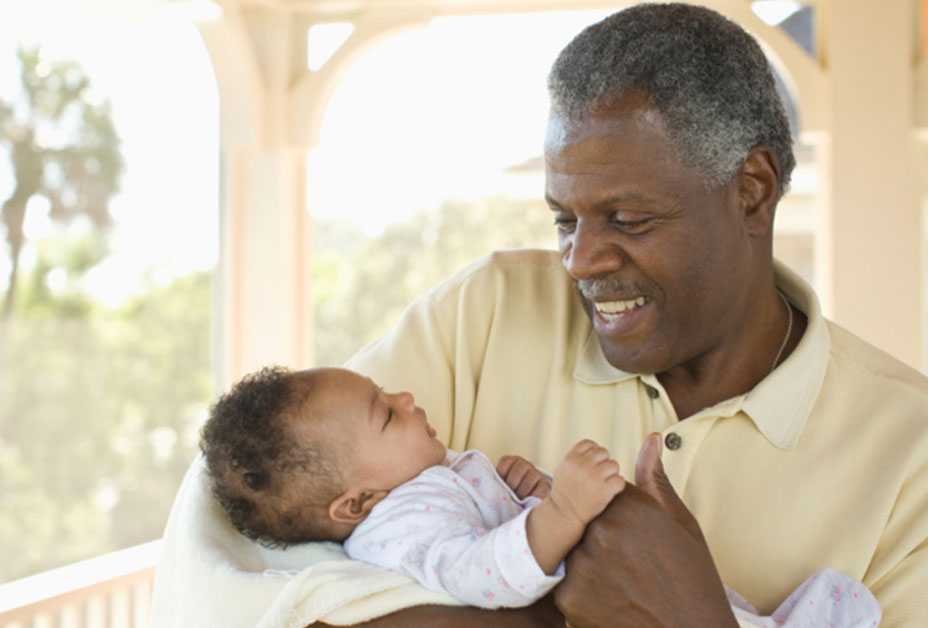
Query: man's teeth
[(618, 307)]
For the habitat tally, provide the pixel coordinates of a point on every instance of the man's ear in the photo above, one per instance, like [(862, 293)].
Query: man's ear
[(354, 505), (758, 190)]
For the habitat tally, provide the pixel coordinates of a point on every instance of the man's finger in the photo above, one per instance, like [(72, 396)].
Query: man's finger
[(649, 473), (652, 480)]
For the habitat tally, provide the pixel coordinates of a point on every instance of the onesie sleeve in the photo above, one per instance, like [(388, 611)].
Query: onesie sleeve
[(827, 598), (429, 529)]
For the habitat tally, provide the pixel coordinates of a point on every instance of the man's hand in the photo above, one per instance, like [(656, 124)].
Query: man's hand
[(643, 562), (523, 477), (586, 481)]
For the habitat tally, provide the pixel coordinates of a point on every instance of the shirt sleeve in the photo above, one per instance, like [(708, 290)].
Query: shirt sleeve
[(898, 571), (433, 533), (827, 598)]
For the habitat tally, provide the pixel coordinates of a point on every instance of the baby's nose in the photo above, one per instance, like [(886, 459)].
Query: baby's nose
[(405, 399)]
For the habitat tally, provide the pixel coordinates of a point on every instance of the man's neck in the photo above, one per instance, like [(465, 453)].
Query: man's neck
[(734, 369)]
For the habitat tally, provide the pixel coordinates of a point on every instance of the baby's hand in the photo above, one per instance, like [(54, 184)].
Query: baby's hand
[(523, 477), (586, 481)]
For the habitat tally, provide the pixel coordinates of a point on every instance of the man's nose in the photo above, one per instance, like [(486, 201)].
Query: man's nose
[(588, 254)]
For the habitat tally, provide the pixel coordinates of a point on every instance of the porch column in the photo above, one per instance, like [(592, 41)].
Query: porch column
[(869, 252), (265, 310)]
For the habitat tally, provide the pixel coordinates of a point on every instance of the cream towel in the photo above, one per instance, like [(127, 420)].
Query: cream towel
[(210, 576)]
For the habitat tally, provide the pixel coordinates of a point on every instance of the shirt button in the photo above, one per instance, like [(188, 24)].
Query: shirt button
[(673, 441), (653, 393)]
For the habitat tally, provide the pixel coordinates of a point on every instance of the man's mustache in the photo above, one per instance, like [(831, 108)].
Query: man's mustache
[(613, 287)]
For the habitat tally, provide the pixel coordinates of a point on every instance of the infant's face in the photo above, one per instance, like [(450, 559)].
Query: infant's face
[(385, 436)]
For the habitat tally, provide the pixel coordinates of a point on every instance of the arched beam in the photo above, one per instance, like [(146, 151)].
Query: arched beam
[(238, 76), (313, 91)]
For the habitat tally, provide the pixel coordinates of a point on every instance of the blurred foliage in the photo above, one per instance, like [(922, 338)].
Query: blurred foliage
[(99, 407), (361, 285), (99, 412), (63, 148)]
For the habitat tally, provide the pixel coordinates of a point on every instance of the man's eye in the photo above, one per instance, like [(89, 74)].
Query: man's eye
[(565, 225), (632, 226)]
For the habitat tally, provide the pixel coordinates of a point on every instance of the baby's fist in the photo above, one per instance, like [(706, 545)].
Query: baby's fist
[(586, 481), (523, 477)]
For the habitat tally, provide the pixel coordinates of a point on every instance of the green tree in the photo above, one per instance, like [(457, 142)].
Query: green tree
[(100, 416), (99, 407), (63, 147), (361, 285)]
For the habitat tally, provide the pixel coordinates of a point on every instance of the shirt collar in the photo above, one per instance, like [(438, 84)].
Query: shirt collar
[(781, 403)]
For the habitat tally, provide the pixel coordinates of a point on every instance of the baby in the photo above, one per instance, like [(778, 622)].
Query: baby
[(326, 454)]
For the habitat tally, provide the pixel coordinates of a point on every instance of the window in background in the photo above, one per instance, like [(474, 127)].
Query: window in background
[(109, 185), (430, 157)]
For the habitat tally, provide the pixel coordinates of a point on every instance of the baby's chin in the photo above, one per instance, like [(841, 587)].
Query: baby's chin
[(441, 454)]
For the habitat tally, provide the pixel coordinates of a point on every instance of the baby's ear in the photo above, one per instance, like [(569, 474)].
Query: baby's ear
[(353, 506)]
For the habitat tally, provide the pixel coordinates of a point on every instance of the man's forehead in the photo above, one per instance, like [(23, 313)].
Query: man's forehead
[(615, 116), (594, 138)]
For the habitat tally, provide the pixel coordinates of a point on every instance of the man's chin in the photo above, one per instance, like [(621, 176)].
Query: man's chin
[(637, 360)]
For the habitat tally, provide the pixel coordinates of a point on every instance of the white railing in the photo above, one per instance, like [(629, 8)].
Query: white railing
[(110, 591)]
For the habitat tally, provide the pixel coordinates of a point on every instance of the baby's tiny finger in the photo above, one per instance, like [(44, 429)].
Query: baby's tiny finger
[(608, 467), (598, 455), (505, 463), (615, 484), (542, 489), (517, 473), (583, 446), (528, 484)]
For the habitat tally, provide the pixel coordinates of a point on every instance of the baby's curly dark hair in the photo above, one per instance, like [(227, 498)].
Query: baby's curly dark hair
[(274, 489)]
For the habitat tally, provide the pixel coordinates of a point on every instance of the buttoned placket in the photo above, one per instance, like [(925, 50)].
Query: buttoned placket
[(683, 439)]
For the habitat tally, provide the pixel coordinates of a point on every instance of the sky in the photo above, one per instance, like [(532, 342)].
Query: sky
[(457, 103), (151, 65), (431, 113)]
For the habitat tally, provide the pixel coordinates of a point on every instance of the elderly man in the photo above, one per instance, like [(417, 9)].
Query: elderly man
[(795, 445)]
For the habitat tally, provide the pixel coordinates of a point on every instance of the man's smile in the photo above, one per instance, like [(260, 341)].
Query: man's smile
[(619, 317)]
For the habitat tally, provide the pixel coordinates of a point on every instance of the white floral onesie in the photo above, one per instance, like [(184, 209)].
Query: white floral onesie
[(459, 529)]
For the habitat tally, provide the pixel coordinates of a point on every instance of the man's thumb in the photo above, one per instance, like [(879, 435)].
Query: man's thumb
[(651, 478), (649, 472)]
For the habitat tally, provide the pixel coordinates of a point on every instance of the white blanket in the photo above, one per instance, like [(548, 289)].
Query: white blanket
[(211, 576)]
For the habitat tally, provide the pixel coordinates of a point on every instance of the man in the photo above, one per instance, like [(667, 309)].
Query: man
[(795, 445)]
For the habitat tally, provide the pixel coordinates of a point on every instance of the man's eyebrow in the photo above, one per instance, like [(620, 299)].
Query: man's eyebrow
[(618, 199), (612, 201), (552, 204)]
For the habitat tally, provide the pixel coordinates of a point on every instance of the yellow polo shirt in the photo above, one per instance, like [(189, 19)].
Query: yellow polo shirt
[(823, 464)]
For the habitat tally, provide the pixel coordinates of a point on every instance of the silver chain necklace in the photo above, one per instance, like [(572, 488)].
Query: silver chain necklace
[(789, 329)]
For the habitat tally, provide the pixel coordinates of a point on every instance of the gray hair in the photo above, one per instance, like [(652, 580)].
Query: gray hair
[(706, 76)]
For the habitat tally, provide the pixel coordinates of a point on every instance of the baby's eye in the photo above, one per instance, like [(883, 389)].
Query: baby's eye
[(389, 418)]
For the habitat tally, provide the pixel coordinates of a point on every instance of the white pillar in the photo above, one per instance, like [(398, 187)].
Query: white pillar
[(258, 54), (271, 108), (869, 252), (267, 292)]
